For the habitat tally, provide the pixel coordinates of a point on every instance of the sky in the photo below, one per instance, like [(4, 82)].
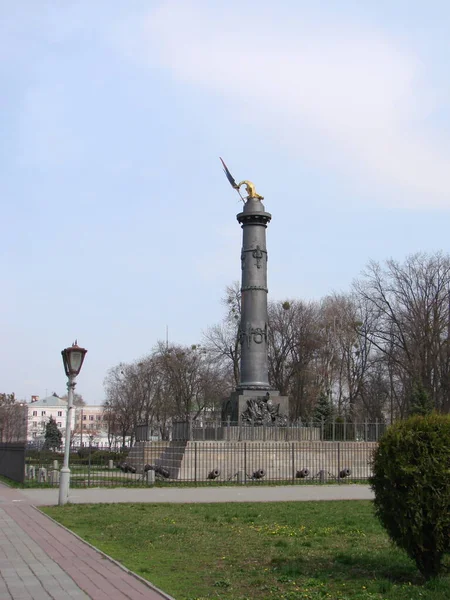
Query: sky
[(117, 222)]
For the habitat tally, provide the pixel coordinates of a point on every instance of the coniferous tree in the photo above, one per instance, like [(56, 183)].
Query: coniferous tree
[(421, 403), (324, 408), (53, 436)]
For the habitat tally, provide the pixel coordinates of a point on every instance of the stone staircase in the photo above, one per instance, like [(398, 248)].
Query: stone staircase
[(168, 455), (172, 457)]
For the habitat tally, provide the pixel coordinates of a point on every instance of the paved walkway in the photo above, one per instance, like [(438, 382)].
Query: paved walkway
[(186, 495), (40, 560)]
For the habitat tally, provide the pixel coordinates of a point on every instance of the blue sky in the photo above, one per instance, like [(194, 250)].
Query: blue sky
[(117, 220)]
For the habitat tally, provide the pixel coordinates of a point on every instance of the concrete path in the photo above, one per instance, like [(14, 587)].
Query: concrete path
[(40, 560), (185, 495)]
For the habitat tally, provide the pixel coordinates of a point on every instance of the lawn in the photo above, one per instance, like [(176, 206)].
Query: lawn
[(237, 551)]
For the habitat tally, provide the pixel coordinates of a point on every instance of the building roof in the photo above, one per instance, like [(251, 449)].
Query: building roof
[(49, 401)]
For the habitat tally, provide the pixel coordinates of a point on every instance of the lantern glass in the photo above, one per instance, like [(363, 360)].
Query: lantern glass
[(75, 360)]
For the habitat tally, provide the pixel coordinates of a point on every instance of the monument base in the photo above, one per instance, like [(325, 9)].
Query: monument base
[(260, 407)]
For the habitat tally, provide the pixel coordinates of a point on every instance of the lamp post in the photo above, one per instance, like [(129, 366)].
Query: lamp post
[(73, 358)]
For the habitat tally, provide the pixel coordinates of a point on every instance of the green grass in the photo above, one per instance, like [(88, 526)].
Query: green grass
[(242, 551), (10, 482)]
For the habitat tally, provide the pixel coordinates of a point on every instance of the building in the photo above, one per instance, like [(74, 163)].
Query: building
[(87, 422), (90, 426), (39, 412)]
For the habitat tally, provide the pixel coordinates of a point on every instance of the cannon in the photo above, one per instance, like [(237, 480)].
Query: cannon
[(344, 473), (162, 471), (302, 473), (126, 468), (158, 470), (259, 474), (214, 474)]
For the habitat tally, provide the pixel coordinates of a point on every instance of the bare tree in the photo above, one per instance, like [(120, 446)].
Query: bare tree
[(364, 352), (222, 340), (13, 419), (120, 400), (190, 378), (348, 350), (293, 343), (112, 423), (173, 382), (409, 303)]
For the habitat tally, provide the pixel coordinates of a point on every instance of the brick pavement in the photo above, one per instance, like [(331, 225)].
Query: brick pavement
[(40, 560)]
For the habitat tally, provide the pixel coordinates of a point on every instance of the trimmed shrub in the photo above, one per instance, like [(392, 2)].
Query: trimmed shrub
[(103, 456), (411, 481), (84, 451), (94, 456), (43, 457)]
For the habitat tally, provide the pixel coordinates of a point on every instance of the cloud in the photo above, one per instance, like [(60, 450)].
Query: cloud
[(343, 95)]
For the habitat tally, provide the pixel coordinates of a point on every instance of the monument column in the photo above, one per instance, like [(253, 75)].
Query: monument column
[(253, 327), (254, 401)]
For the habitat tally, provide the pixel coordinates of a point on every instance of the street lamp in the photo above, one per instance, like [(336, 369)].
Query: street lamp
[(73, 358)]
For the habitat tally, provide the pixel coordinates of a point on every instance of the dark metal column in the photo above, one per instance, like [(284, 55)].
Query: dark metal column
[(253, 329)]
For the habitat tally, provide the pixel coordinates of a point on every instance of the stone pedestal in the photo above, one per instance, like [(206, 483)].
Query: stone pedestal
[(54, 477), (261, 408)]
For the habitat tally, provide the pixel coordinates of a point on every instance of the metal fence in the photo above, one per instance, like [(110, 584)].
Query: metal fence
[(207, 462), (90, 466), (333, 430), (11, 460)]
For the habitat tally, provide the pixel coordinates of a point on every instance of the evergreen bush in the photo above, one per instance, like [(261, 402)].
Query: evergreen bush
[(411, 481), (420, 401), (53, 435), (103, 456), (84, 451), (43, 457)]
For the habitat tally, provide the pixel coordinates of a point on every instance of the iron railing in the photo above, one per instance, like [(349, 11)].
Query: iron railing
[(333, 431), (12, 456), (207, 462)]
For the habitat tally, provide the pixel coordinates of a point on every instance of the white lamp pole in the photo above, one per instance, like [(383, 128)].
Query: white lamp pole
[(73, 358)]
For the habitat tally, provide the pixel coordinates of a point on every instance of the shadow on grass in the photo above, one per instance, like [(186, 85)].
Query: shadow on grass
[(348, 566)]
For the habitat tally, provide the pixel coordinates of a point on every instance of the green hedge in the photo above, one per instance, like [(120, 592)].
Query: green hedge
[(80, 457), (411, 481), (98, 457), (43, 456)]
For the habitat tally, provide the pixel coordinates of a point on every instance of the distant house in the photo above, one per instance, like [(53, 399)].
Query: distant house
[(90, 427), (39, 413), (87, 423)]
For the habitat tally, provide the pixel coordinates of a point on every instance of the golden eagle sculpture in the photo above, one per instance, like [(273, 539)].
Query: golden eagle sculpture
[(249, 186)]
